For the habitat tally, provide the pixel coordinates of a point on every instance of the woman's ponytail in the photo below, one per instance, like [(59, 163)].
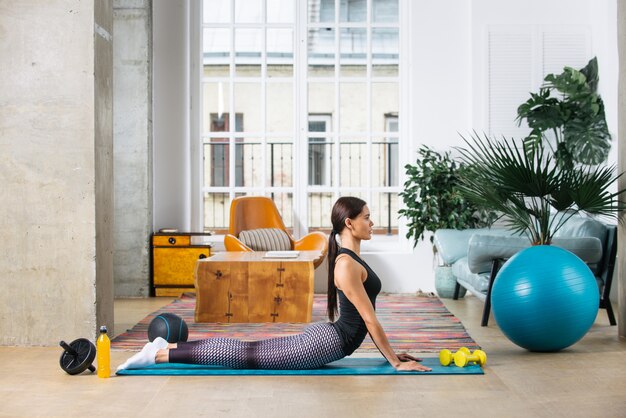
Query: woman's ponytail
[(333, 249), (344, 208)]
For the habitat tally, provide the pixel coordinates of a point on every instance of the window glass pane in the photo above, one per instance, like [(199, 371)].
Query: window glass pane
[(216, 52), (321, 161), (216, 210), (284, 203), (216, 69), (384, 212), (319, 206), (279, 162), (248, 43), (353, 107), (248, 11), (353, 52), (384, 166), (385, 52), (216, 11), (385, 11), (352, 10), (353, 163), (280, 11), (280, 53), (216, 104), (322, 99), (216, 162), (385, 101), (321, 52), (279, 102), (319, 123), (321, 11), (248, 162), (248, 103)]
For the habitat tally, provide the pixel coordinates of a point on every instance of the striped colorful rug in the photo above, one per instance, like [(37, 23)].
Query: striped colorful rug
[(413, 323)]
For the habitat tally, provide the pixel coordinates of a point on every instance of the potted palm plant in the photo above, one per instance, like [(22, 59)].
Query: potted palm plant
[(533, 193), (432, 200), (544, 298)]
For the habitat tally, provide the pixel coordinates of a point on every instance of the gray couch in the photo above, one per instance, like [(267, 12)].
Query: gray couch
[(477, 254)]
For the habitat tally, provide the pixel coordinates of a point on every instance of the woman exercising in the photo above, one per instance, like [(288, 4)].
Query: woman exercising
[(351, 280)]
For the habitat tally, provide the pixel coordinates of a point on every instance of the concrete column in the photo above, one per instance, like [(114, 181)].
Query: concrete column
[(621, 251), (55, 170), (132, 63)]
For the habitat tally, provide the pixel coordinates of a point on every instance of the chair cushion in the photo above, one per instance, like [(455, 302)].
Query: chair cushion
[(476, 281), (483, 249), (266, 239), (581, 226)]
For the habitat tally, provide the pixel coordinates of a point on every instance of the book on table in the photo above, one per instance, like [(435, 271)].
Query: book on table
[(281, 254)]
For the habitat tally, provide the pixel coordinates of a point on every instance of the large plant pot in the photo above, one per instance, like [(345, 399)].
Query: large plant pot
[(445, 283), (545, 298)]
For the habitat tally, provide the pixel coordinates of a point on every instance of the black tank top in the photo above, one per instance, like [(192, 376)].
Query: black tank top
[(350, 326)]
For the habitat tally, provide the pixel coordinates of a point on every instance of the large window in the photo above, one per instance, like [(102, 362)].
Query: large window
[(299, 101)]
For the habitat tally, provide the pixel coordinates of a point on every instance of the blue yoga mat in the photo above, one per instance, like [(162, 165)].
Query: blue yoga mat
[(346, 366)]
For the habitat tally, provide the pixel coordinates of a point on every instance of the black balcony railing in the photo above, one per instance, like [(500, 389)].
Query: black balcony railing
[(354, 169)]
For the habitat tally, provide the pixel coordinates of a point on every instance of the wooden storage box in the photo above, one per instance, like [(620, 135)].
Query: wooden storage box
[(246, 287)]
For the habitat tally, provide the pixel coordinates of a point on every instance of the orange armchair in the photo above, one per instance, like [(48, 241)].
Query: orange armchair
[(254, 212)]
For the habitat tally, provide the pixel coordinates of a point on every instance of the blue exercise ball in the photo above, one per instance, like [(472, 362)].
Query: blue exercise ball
[(545, 298)]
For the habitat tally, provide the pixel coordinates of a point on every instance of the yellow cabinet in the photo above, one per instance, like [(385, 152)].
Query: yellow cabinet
[(174, 258)]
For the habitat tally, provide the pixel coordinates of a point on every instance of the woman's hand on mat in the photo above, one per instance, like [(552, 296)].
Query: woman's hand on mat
[(407, 357), (412, 366)]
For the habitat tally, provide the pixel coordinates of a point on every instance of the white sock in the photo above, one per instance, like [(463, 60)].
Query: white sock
[(161, 343), (146, 357)]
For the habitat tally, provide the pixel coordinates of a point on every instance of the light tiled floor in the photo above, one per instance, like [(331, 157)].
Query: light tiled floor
[(586, 380)]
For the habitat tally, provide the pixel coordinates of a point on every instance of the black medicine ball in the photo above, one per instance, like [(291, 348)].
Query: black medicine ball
[(168, 326)]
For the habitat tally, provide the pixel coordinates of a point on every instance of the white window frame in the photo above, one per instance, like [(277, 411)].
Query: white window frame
[(300, 151)]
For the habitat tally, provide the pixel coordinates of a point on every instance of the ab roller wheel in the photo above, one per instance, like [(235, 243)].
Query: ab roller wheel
[(77, 356), (462, 357)]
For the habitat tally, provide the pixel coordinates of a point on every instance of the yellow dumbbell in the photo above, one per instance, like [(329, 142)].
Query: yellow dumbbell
[(461, 359), (446, 357)]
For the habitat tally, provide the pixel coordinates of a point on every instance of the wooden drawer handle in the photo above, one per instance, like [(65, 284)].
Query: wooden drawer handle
[(172, 240), (202, 256)]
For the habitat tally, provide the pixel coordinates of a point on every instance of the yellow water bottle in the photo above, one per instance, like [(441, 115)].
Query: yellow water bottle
[(103, 351)]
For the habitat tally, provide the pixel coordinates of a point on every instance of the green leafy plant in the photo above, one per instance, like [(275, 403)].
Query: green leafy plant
[(432, 197), (568, 116), (527, 187)]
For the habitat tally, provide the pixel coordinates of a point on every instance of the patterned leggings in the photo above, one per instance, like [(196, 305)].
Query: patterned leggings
[(319, 344)]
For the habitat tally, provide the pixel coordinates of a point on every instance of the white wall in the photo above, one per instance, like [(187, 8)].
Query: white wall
[(603, 15), (171, 146), (621, 236), (599, 16), (446, 86), (440, 73)]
